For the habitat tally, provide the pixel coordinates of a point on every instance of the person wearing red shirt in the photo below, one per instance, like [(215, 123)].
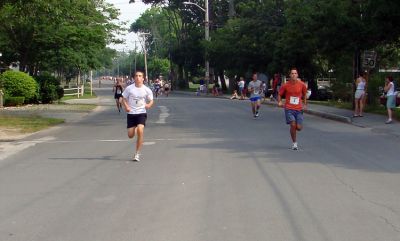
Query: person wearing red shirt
[(295, 92)]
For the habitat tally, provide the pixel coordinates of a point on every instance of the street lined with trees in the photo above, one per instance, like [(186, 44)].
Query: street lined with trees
[(321, 38)]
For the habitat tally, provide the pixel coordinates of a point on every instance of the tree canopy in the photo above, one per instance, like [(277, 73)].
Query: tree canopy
[(56, 35), (274, 35)]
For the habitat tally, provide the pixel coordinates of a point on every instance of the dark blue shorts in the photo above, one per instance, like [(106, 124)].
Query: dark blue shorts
[(133, 120), (255, 99), (294, 115)]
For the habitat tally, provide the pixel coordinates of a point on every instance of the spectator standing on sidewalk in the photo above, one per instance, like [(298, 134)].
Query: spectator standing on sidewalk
[(295, 92), (359, 95), (137, 99), (215, 89), (275, 86), (241, 87), (391, 97)]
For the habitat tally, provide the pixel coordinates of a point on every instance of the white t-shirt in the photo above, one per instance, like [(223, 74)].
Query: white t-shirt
[(137, 98), (256, 85), (241, 84), (391, 89)]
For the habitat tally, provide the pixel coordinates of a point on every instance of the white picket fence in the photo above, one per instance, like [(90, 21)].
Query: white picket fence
[(78, 90)]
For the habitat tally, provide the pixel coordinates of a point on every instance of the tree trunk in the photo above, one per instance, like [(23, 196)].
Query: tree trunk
[(231, 13), (222, 78), (232, 84)]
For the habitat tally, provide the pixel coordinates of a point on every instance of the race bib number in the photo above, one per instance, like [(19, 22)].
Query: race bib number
[(294, 100), (119, 92), (138, 102)]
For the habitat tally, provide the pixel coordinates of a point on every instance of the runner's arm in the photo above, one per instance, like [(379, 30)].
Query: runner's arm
[(305, 97), (125, 103), (149, 104), (281, 92)]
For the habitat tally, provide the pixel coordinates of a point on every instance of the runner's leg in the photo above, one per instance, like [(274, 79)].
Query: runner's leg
[(139, 141), (293, 128), (253, 107), (131, 132), (258, 105)]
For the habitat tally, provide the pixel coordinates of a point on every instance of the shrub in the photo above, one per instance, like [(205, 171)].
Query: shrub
[(14, 101), (49, 89), (342, 91), (19, 84), (60, 92)]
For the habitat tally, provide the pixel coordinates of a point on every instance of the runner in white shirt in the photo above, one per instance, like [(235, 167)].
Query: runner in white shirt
[(255, 96), (137, 99)]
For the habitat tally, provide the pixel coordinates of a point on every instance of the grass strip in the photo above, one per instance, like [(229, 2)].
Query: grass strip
[(28, 124)]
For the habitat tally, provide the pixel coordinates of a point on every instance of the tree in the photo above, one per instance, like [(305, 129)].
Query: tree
[(56, 35), (174, 35)]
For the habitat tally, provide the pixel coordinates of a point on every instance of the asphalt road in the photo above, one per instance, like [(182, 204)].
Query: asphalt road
[(208, 172)]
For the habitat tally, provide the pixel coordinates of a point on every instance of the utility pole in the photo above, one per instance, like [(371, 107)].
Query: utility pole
[(207, 35), (135, 56), (143, 35)]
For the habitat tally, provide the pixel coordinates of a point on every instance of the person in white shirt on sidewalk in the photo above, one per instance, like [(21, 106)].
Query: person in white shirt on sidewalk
[(391, 97), (359, 95)]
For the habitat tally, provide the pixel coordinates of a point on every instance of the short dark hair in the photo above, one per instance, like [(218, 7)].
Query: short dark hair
[(139, 71), (293, 68)]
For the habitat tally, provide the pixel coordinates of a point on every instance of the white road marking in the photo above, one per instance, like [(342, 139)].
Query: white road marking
[(10, 148), (163, 115)]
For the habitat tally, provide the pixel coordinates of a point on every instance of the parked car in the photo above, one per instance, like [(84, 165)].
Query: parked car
[(320, 90)]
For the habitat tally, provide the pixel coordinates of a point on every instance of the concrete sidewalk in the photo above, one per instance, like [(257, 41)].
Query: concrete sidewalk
[(374, 122)]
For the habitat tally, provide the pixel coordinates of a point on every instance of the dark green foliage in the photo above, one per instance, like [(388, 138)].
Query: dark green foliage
[(14, 101), (17, 83), (49, 88), (342, 91), (62, 36)]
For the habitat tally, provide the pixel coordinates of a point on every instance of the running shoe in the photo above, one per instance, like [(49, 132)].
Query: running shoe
[(257, 114), (388, 121), (294, 147), (137, 157)]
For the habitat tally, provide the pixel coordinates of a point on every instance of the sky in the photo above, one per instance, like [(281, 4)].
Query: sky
[(129, 12)]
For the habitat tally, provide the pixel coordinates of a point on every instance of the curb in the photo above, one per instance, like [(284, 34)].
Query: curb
[(330, 116)]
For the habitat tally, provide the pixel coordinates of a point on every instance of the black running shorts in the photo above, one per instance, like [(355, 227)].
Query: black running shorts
[(134, 120)]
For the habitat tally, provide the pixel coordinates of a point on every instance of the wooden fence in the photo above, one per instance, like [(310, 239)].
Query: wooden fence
[(78, 90)]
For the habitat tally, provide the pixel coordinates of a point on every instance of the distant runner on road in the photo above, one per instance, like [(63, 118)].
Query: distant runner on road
[(137, 99), (295, 91), (118, 89), (255, 90)]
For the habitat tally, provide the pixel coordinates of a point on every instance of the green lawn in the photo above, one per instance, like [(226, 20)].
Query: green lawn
[(28, 124), (193, 87)]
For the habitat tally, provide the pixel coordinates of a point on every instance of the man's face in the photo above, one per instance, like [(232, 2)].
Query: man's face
[(293, 74), (139, 78), (254, 77)]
